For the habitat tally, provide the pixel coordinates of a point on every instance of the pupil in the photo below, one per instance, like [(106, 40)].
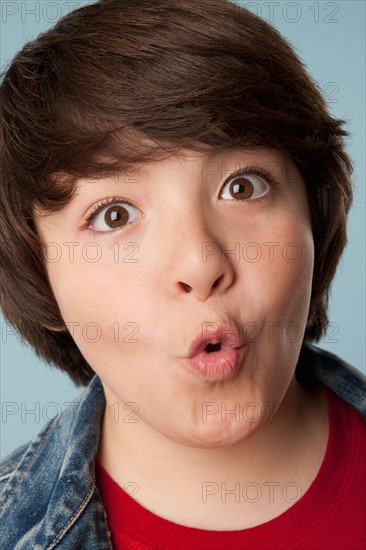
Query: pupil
[(244, 191), (115, 215)]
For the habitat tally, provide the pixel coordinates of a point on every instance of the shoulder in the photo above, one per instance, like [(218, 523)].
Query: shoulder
[(9, 463), (333, 372), (15, 464), (47, 483)]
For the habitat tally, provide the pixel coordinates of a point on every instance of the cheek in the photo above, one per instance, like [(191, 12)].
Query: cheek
[(100, 303), (91, 284), (275, 273), (95, 299), (283, 281)]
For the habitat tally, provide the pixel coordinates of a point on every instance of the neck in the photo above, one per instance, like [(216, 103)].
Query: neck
[(281, 452)]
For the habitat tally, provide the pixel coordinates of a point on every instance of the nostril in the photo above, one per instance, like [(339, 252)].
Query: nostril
[(186, 287), (213, 347), (217, 282)]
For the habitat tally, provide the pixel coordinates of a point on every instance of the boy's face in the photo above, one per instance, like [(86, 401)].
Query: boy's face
[(123, 290)]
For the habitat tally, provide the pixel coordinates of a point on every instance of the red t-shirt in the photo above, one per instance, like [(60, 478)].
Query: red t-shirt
[(329, 516)]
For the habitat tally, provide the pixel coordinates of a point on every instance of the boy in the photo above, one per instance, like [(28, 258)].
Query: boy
[(185, 168)]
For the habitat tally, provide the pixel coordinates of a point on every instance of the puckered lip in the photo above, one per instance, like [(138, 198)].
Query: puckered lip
[(226, 335)]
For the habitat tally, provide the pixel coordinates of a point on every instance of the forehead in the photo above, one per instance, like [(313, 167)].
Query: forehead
[(202, 164)]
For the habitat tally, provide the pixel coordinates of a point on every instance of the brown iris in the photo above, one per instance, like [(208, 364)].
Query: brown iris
[(116, 216), (240, 190)]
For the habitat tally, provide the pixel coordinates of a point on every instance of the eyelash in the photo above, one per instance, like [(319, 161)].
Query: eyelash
[(248, 170), (98, 207)]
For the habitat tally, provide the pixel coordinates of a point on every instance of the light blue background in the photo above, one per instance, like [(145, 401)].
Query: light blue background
[(330, 39)]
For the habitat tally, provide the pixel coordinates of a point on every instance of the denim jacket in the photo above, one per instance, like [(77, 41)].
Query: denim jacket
[(49, 495)]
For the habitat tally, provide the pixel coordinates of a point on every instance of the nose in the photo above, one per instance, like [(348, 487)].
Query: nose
[(193, 270)]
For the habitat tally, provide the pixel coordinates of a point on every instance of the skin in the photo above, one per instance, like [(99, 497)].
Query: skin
[(159, 440)]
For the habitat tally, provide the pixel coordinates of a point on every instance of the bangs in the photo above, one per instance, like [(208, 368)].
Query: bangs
[(95, 100)]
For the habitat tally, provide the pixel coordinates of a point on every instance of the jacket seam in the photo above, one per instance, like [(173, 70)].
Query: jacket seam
[(5, 476), (81, 508), (27, 465)]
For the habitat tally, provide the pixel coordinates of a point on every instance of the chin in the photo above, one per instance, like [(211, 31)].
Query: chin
[(216, 437)]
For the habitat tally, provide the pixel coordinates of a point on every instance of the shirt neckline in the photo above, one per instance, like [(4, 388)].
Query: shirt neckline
[(146, 526)]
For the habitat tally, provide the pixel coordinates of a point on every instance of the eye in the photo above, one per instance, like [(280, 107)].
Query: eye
[(109, 215), (247, 186)]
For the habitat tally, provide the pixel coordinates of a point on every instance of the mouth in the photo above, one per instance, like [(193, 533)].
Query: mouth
[(223, 337), (217, 356)]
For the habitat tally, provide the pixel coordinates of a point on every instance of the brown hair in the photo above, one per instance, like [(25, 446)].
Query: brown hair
[(82, 98)]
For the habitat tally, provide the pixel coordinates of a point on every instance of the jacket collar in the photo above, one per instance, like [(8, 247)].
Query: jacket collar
[(58, 470), (317, 365)]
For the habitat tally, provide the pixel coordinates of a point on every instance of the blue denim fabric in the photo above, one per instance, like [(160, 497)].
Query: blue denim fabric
[(49, 495), (319, 365)]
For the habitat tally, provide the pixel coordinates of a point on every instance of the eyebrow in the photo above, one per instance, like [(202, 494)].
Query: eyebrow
[(117, 175)]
